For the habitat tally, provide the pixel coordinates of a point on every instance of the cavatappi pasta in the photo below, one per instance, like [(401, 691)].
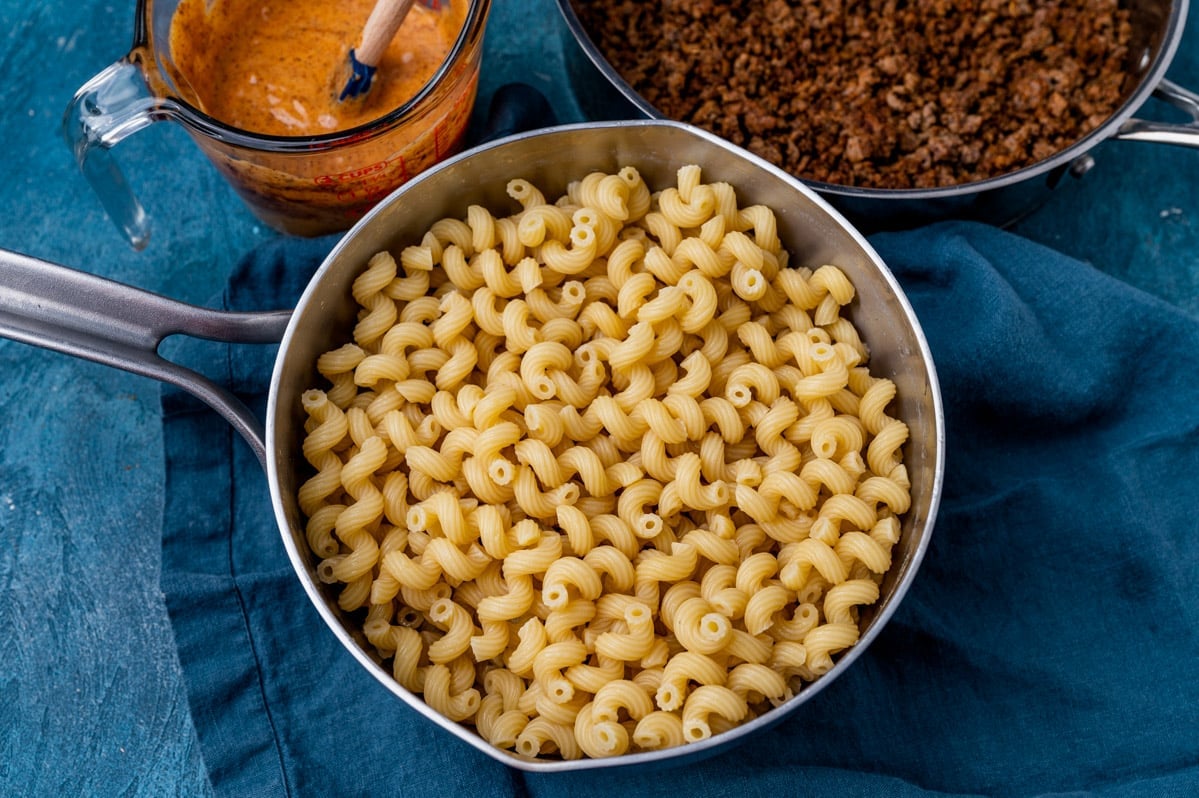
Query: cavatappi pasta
[(608, 473)]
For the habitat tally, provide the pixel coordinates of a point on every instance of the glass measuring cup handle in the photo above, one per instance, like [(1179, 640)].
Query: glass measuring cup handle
[(112, 105)]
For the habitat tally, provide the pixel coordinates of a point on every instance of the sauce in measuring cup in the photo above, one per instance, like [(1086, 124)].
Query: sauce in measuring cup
[(278, 66), (244, 68)]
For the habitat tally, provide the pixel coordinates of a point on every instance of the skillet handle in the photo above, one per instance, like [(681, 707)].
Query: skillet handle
[(1185, 134), (97, 319)]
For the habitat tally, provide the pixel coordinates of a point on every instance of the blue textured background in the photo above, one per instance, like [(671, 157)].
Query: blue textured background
[(91, 696)]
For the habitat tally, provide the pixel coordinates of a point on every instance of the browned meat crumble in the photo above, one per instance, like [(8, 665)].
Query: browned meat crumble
[(875, 93)]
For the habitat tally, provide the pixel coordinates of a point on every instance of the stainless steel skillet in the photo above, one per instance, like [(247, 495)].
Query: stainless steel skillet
[(1157, 31)]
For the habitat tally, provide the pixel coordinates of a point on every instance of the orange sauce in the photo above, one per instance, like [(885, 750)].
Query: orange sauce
[(277, 66)]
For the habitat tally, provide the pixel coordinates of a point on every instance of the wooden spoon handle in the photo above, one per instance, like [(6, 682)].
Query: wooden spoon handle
[(380, 29)]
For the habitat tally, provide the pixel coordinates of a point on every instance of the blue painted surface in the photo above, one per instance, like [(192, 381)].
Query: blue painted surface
[(92, 700)]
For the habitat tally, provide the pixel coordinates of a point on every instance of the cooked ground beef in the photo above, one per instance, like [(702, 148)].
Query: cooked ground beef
[(875, 93)]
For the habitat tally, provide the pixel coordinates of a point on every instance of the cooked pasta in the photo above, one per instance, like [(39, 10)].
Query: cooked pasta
[(607, 472)]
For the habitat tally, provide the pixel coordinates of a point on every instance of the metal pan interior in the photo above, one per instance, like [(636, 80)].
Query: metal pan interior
[(812, 232), (1157, 27)]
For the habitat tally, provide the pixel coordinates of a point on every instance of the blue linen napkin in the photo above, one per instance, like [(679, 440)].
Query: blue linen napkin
[(1050, 644)]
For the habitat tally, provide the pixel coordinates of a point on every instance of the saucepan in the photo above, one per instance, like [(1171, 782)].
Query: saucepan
[(1156, 28), (83, 315)]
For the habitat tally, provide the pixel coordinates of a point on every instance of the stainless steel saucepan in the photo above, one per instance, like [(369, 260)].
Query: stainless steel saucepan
[(89, 317)]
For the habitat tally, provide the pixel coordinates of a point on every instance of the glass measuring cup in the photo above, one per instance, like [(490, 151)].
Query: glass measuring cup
[(302, 185)]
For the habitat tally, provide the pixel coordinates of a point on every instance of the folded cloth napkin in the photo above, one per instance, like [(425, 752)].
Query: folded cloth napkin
[(1050, 643)]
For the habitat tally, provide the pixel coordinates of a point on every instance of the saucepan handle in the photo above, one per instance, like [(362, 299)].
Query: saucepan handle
[(97, 319), (1185, 133)]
